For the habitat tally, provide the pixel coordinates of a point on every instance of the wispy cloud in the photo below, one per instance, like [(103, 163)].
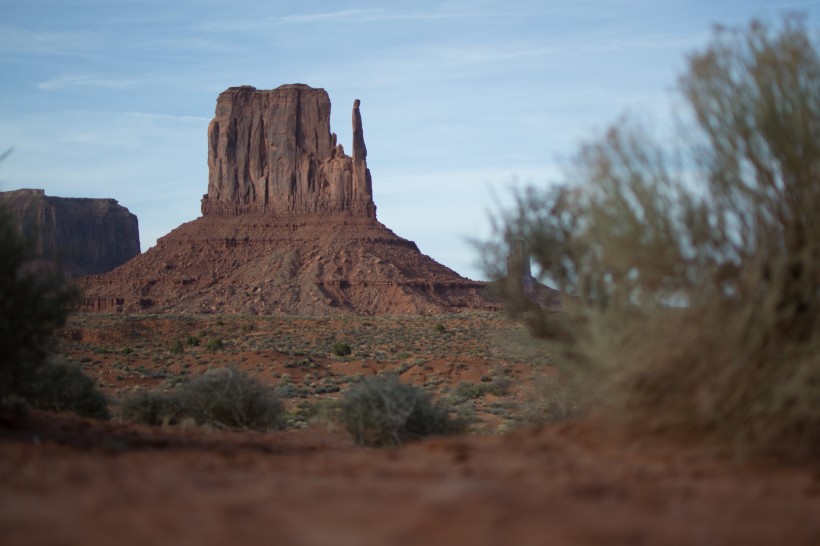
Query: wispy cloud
[(346, 15), (339, 17), (373, 15), (51, 42), (87, 81)]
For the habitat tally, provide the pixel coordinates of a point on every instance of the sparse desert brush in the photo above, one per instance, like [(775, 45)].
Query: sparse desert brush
[(222, 397), (382, 411), (177, 348), (694, 275), (228, 398), (341, 349), (151, 408), (214, 344)]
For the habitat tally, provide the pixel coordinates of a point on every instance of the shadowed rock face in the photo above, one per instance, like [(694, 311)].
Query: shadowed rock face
[(288, 226), (272, 151), (81, 236)]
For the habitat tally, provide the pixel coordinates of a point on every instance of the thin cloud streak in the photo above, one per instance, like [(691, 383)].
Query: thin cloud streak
[(57, 42), (86, 81), (345, 16)]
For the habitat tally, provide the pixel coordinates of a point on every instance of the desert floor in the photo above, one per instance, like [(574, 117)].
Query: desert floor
[(66, 480)]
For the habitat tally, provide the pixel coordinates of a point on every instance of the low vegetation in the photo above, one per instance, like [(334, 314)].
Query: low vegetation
[(694, 274), (382, 411), (223, 398)]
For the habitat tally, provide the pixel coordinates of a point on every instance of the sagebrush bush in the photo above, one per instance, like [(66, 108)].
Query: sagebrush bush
[(176, 347), (341, 349), (214, 344), (223, 397), (381, 411), (227, 397), (152, 408), (694, 275)]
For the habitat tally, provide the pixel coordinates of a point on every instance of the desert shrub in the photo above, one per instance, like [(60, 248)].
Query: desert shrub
[(151, 408), (467, 390), (440, 328), (341, 349), (214, 344), (383, 411), (694, 275), (223, 397), (226, 397), (193, 341), (177, 348), (62, 386)]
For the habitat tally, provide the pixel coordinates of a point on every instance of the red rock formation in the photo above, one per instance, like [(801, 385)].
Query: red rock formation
[(288, 226), (80, 236), (273, 152)]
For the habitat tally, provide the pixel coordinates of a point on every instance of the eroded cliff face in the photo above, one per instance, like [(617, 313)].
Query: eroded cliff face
[(272, 151), (81, 236)]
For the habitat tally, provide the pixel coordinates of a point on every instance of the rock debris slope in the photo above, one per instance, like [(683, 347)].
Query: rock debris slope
[(288, 226)]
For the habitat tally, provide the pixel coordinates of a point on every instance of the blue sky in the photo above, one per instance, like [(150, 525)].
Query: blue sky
[(460, 100)]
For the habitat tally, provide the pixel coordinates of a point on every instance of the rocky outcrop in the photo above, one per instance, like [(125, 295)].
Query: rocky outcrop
[(80, 236), (273, 152), (288, 226)]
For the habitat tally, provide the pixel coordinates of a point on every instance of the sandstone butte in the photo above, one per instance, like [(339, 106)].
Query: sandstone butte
[(79, 236), (288, 226)]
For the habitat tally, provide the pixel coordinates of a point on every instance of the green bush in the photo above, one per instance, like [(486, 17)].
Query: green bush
[(695, 276), (341, 349), (383, 411), (193, 341)]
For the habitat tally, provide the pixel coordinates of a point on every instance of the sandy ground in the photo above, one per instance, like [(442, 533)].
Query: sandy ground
[(65, 481)]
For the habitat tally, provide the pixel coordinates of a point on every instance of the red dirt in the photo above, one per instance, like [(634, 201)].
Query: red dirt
[(68, 481), (64, 480)]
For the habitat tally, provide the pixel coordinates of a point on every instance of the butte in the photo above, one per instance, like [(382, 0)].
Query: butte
[(288, 226)]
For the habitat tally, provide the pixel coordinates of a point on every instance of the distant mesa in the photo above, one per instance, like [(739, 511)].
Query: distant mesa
[(288, 225), (76, 235)]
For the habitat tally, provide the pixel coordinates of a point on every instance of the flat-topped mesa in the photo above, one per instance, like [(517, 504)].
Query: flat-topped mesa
[(271, 151)]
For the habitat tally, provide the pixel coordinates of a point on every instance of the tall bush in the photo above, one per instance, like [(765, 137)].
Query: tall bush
[(693, 274)]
